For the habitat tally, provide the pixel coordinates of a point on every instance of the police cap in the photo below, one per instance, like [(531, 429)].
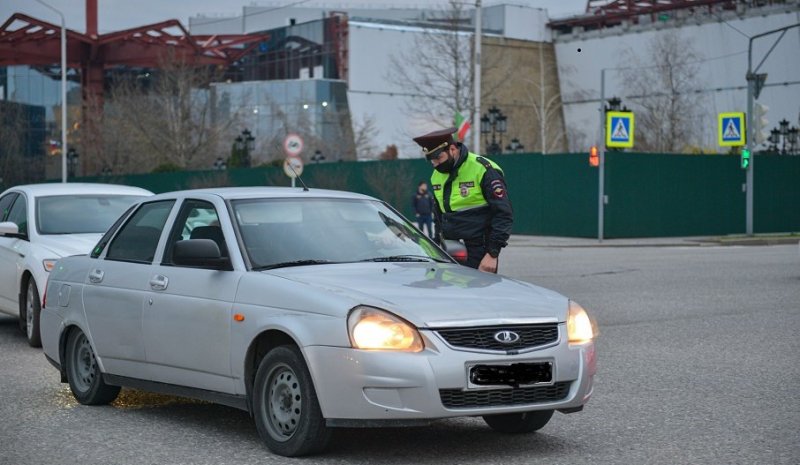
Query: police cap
[(434, 142)]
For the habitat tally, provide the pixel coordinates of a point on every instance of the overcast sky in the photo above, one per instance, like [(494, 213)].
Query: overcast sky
[(116, 15)]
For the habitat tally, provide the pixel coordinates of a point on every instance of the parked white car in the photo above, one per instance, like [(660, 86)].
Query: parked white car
[(311, 310), (40, 223)]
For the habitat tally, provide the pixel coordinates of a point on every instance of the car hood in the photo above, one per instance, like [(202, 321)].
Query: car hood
[(434, 294), (64, 245)]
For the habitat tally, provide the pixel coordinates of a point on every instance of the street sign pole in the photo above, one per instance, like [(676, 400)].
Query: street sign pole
[(602, 153), (748, 142), (755, 83)]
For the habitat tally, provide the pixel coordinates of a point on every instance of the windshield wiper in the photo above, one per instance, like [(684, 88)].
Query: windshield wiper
[(403, 258), (292, 263)]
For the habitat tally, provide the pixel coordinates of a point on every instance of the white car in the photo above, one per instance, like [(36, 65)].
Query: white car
[(311, 310), (40, 223)]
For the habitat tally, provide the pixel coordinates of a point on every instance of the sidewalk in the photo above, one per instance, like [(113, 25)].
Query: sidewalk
[(698, 241)]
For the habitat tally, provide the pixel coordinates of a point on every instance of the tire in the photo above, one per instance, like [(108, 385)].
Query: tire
[(83, 373), (285, 405), (30, 320), (515, 423)]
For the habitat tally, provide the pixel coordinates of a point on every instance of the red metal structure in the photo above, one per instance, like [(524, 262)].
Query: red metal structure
[(608, 13), (29, 41)]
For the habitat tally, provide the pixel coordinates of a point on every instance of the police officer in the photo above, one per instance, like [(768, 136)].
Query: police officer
[(472, 203)]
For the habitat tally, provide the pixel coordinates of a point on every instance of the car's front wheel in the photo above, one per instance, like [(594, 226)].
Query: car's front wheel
[(83, 373), (286, 410), (524, 422), (30, 320)]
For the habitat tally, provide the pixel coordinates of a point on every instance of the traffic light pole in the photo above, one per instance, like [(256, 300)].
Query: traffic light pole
[(754, 84), (601, 148), (749, 138)]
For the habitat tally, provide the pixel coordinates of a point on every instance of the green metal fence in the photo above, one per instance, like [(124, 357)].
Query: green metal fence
[(649, 195)]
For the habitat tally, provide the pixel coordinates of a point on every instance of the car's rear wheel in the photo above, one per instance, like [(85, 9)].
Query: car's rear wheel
[(83, 373), (524, 422), (33, 308), (285, 405)]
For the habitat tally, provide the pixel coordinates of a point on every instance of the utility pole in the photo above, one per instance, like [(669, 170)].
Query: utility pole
[(476, 57), (755, 82)]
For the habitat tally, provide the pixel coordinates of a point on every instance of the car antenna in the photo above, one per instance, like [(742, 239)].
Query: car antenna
[(305, 188)]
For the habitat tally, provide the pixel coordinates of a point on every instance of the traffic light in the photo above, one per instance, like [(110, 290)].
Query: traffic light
[(745, 159), (760, 123), (594, 158)]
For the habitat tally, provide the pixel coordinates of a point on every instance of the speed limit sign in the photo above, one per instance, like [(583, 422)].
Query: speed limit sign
[(293, 145)]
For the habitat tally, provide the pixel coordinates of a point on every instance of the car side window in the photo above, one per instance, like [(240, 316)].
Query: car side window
[(197, 219), (98, 249), (5, 204), (19, 214), (138, 238)]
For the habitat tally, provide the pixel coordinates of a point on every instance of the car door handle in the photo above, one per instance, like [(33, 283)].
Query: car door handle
[(96, 276), (159, 282)]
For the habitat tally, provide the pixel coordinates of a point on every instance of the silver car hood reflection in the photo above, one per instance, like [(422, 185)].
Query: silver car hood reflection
[(434, 294)]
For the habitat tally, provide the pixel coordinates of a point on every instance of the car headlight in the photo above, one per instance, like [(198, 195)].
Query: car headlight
[(49, 264), (580, 326), (374, 329)]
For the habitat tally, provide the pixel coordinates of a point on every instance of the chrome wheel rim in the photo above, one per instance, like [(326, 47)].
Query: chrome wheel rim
[(84, 365), (29, 311), (284, 402)]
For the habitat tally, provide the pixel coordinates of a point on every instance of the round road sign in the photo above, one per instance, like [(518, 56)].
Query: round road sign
[(295, 163), (293, 145)]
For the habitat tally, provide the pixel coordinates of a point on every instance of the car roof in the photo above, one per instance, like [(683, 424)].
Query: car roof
[(77, 188), (232, 193)]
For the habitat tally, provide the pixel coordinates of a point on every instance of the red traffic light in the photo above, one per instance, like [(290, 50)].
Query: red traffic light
[(594, 157)]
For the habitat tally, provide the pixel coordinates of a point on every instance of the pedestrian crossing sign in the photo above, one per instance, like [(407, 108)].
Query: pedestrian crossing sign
[(731, 129), (619, 129)]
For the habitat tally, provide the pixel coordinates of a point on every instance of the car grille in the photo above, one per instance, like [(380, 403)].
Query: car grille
[(530, 336), (456, 398)]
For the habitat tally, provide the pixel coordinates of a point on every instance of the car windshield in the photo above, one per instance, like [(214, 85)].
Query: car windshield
[(80, 214), (291, 232)]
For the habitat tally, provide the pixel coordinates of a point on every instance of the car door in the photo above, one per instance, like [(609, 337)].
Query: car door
[(11, 254), (187, 318), (114, 291)]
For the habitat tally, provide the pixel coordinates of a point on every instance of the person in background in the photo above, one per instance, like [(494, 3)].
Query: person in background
[(422, 201), (472, 202)]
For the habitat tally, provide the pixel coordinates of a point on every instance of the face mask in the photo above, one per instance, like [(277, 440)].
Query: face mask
[(445, 167)]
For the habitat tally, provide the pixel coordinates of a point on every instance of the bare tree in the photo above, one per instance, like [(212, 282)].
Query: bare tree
[(543, 94), (661, 87), (163, 119), (437, 68), (16, 165), (364, 134)]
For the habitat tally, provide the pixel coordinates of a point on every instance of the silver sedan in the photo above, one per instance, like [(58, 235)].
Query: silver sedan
[(311, 310)]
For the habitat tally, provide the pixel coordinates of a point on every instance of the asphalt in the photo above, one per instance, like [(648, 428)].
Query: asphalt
[(693, 241)]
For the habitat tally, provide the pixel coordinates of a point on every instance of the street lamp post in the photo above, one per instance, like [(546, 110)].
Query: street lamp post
[(72, 161), (514, 145), (494, 122), (781, 137), (63, 91), (245, 143), (317, 157)]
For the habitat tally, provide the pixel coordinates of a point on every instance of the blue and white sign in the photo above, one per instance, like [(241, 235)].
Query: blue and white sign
[(731, 129), (619, 129)]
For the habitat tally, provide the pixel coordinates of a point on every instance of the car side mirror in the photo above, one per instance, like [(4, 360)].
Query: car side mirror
[(7, 228), (456, 249), (202, 253)]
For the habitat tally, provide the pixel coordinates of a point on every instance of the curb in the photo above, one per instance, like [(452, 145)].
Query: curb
[(756, 241)]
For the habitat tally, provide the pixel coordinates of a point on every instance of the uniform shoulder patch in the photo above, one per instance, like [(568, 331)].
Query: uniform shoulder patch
[(498, 188)]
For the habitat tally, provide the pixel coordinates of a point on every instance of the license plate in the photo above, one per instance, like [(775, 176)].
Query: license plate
[(516, 374)]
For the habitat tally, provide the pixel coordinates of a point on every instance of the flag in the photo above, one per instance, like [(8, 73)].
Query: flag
[(462, 124)]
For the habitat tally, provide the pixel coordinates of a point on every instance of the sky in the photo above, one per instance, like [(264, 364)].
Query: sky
[(115, 15)]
